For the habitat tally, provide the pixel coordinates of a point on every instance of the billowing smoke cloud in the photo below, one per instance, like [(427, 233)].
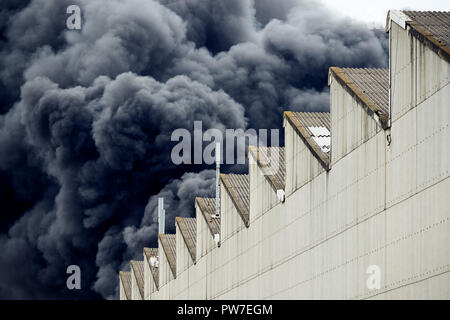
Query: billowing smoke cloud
[(86, 117)]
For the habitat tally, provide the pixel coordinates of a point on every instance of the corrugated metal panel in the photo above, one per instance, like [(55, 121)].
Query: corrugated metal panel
[(323, 142), (208, 209), (435, 26), (153, 252), (168, 242), (188, 228), (238, 187), (138, 268), (315, 130), (125, 277), (272, 162), (314, 119), (150, 252), (322, 137), (372, 83), (319, 131)]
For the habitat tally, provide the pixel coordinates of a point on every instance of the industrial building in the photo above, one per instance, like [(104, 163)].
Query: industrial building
[(358, 208)]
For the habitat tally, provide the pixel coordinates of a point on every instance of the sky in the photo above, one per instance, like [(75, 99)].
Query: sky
[(86, 117), (374, 12)]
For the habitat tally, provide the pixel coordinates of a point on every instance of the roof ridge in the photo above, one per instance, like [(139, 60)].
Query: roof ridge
[(241, 199), (426, 11), (125, 277), (432, 29), (276, 179), (303, 130), (374, 101), (363, 68), (189, 234), (171, 253), (310, 112), (149, 250), (154, 270), (185, 218), (138, 270), (213, 223)]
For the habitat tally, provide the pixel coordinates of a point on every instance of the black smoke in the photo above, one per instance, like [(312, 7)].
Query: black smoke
[(86, 117)]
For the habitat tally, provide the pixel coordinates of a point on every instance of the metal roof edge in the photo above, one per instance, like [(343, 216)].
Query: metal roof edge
[(399, 17), (127, 292), (403, 20), (234, 197), (380, 118), (192, 254), (152, 268), (309, 142), (135, 272), (254, 151), (172, 264), (204, 214), (145, 253), (428, 40)]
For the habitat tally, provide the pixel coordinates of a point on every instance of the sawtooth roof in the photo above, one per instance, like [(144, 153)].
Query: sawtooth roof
[(152, 252), (304, 123), (138, 269), (125, 278), (208, 208), (369, 86), (188, 228), (168, 242), (238, 187), (272, 162), (432, 28)]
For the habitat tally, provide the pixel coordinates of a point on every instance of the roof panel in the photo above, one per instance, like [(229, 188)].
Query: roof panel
[(153, 252), (138, 270), (319, 131), (208, 209), (311, 126), (238, 187), (168, 242), (188, 228), (433, 25), (323, 143), (372, 83), (273, 163), (125, 278)]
